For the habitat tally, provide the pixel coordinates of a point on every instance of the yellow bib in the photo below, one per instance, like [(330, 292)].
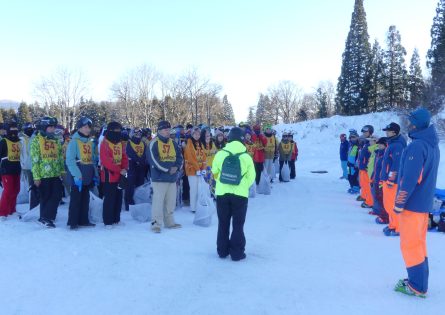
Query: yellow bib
[(250, 148), (270, 146), (86, 152), (138, 148), (48, 149), (13, 151), (117, 152), (286, 147), (167, 152)]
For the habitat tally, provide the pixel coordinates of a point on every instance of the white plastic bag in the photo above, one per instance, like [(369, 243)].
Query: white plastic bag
[(277, 166), (31, 215), (285, 173), (252, 191), (23, 196), (142, 194), (205, 206), (96, 209), (141, 212), (264, 185)]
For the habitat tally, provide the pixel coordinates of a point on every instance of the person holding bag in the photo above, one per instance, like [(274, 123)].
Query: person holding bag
[(195, 164), (114, 165)]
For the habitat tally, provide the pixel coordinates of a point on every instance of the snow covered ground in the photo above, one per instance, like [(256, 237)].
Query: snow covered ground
[(310, 249)]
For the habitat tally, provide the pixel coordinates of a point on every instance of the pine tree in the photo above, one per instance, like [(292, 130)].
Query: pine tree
[(251, 120), (351, 87), (1, 115), (23, 114), (416, 83), (375, 79), (395, 70), (322, 103), (266, 113), (436, 60), (229, 116)]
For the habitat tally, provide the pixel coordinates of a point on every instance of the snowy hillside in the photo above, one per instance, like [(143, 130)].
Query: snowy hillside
[(310, 249)]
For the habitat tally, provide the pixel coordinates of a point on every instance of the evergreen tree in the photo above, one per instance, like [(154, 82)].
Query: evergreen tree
[(416, 83), (322, 103), (436, 60), (251, 120), (1, 115), (229, 116), (375, 79), (351, 87), (395, 70), (23, 114)]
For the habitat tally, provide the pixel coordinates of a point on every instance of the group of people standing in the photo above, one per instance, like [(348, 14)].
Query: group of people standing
[(118, 160), (397, 183)]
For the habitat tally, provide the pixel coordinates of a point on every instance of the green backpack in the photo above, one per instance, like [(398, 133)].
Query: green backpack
[(231, 169)]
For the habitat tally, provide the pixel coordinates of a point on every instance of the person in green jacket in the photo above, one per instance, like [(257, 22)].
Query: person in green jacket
[(232, 199), (47, 169)]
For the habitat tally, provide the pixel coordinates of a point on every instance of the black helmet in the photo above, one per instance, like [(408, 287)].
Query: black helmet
[(83, 121), (47, 121), (236, 134), (28, 125), (368, 128)]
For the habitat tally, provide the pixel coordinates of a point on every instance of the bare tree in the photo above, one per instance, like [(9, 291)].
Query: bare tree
[(195, 87), (63, 90), (286, 97)]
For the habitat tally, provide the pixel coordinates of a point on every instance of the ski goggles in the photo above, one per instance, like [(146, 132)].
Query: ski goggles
[(85, 121)]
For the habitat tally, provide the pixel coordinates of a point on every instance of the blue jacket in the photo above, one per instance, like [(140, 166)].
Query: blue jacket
[(76, 169), (378, 166), (136, 163), (391, 159), (344, 148), (363, 157), (160, 171), (418, 172)]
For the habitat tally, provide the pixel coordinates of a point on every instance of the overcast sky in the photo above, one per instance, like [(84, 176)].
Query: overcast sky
[(245, 46)]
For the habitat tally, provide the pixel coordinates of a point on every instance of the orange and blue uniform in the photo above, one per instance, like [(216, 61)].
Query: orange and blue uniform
[(390, 175), (417, 182)]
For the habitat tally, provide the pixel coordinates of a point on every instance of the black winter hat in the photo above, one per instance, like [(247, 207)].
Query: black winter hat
[(163, 124), (382, 140), (10, 125), (114, 125), (236, 134), (392, 127)]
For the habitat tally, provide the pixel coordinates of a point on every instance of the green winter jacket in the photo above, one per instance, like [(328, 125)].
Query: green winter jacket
[(372, 149), (247, 170), (46, 157)]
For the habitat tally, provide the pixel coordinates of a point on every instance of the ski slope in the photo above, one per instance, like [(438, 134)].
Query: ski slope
[(310, 249)]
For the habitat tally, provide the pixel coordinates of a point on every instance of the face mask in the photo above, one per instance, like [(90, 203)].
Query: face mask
[(114, 136), (136, 140), (29, 132), (13, 134)]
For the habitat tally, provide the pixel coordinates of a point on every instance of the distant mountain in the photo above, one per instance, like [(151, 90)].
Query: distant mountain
[(7, 104)]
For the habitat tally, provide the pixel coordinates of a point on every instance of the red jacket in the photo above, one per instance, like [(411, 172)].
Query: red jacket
[(294, 152), (110, 170), (259, 142)]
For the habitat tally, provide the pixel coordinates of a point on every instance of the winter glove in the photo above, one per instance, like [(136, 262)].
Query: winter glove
[(96, 181), (398, 210), (203, 172), (380, 184), (390, 184), (198, 173), (78, 183)]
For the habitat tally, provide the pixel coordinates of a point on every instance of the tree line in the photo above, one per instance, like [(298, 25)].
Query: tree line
[(373, 78)]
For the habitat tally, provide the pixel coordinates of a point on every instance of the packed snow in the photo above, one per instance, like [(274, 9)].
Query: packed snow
[(310, 249)]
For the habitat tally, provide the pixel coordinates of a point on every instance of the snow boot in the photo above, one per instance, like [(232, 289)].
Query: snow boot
[(391, 232), (174, 226), (46, 223), (379, 220), (360, 198), (403, 287), (366, 206)]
